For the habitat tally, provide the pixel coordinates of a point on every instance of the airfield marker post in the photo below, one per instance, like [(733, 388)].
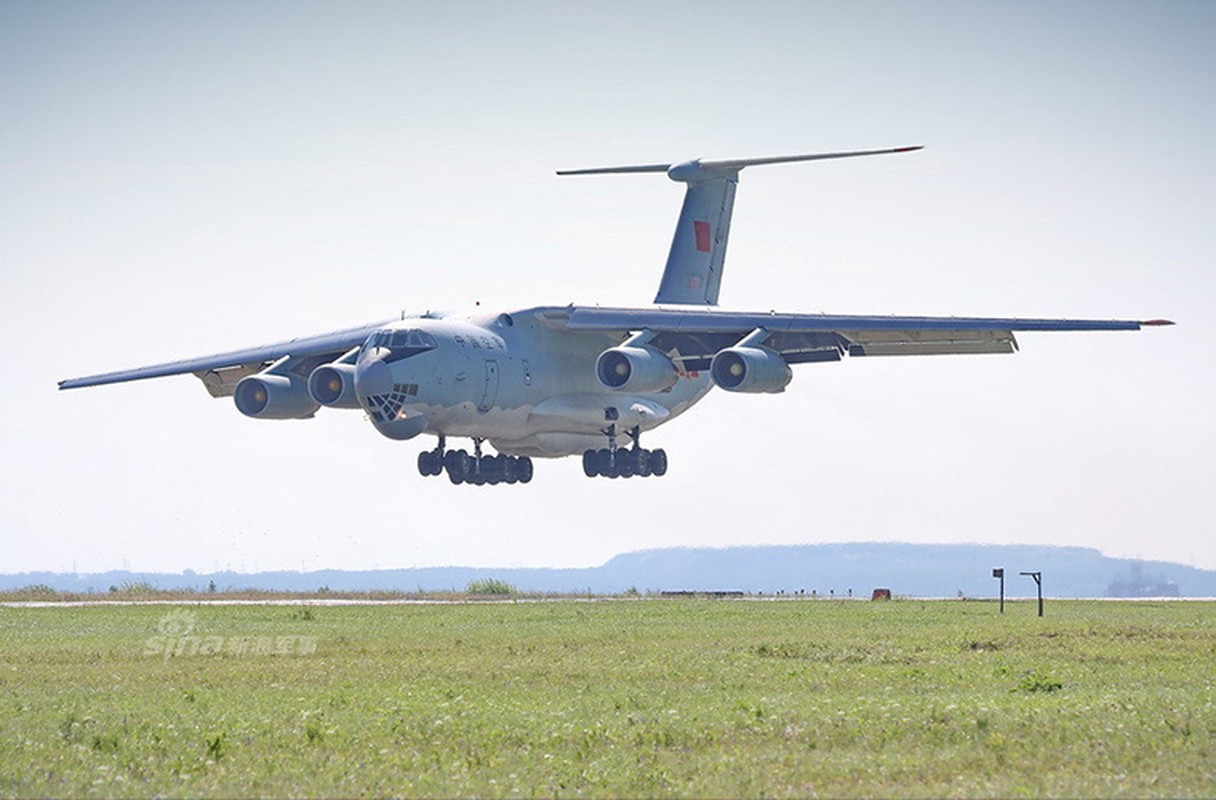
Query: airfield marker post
[(999, 573), (1038, 582)]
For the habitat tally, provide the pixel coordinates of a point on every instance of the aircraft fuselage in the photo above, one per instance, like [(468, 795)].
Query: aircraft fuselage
[(526, 386)]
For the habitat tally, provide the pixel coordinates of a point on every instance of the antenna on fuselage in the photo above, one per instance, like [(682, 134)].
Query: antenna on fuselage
[(693, 275)]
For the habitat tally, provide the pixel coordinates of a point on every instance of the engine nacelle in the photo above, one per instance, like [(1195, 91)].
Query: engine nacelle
[(268, 396), (635, 369), (333, 386), (750, 369)]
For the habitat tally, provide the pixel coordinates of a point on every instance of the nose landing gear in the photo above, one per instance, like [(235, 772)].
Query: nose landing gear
[(476, 469), (621, 462)]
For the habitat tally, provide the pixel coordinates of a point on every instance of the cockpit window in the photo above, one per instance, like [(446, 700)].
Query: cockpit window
[(402, 344)]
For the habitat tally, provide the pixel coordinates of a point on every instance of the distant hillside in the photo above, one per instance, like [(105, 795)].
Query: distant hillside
[(910, 570), (907, 569)]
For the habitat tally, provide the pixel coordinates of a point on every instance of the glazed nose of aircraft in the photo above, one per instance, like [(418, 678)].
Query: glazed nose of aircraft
[(372, 377)]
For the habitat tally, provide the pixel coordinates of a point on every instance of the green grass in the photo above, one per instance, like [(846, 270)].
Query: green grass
[(625, 698)]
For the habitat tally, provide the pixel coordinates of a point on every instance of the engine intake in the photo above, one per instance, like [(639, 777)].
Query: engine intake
[(267, 396), (750, 369), (333, 386), (635, 369)]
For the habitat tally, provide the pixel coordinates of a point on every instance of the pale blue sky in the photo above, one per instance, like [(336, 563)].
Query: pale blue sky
[(183, 178)]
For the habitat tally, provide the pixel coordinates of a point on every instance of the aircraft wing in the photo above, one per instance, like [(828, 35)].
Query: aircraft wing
[(220, 372), (693, 336)]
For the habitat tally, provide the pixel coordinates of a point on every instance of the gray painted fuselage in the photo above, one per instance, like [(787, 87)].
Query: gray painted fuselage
[(515, 379)]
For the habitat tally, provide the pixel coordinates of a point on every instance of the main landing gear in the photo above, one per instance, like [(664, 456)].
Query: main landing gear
[(477, 469), (622, 462)]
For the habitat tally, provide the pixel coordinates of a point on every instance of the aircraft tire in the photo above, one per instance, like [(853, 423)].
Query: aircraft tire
[(625, 463), (430, 463), (603, 461), (458, 465), (454, 460), (590, 463), (524, 470), (495, 469), (658, 462), (641, 465)]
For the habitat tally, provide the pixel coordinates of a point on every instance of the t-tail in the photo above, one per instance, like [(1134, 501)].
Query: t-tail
[(693, 275)]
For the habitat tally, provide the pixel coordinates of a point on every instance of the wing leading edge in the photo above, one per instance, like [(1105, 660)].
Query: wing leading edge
[(220, 372), (694, 336)]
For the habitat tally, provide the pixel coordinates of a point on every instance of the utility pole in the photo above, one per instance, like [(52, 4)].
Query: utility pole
[(1038, 581)]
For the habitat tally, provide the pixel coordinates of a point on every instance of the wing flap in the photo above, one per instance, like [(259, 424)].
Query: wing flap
[(586, 318), (927, 343), (221, 382), (692, 336)]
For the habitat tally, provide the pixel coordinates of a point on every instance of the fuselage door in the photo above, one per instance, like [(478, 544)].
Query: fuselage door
[(491, 388)]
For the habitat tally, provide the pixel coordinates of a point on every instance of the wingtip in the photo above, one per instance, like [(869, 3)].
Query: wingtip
[(1153, 323)]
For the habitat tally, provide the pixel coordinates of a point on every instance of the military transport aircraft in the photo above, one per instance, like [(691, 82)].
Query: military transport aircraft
[(554, 381)]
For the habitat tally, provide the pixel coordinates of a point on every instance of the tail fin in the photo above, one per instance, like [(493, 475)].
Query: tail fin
[(693, 275)]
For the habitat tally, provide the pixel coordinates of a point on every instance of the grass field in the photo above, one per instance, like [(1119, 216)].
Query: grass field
[(641, 697)]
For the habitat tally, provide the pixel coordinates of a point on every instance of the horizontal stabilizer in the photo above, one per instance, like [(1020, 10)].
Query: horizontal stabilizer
[(734, 164), (611, 170), (693, 275)]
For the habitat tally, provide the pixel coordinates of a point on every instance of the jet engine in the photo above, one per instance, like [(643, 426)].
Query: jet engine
[(333, 385), (270, 396), (750, 369), (635, 369)]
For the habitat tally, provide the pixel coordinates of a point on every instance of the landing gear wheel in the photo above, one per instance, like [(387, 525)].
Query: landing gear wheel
[(609, 467), (430, 463), (625, 463), (641, 463), (603, 461), (457, 463), (523, 469), (658, 462), (495, 468), (591, 463)]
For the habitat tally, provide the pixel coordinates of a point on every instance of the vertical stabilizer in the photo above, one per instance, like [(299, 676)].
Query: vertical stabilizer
[(693, 275)]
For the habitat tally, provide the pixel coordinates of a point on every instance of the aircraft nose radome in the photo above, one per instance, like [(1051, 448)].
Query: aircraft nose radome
[(373, 377)]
